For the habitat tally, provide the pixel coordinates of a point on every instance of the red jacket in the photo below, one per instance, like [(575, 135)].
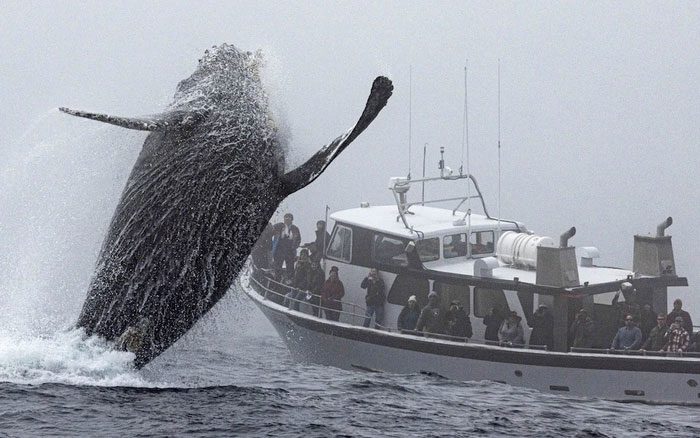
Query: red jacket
[(331, 294)]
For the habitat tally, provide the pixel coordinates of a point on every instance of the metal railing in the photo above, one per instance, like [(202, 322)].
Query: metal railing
[(266, 284)]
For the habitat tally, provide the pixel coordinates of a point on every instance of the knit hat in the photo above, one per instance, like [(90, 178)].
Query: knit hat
[(412, 298)]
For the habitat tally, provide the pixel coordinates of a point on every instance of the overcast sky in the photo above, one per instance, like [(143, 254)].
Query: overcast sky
[(600, 112)]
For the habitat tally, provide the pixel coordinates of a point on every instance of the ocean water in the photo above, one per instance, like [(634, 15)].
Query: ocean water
[(233, 376)]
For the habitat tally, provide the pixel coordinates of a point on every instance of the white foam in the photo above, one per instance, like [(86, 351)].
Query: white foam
[(67, 357)]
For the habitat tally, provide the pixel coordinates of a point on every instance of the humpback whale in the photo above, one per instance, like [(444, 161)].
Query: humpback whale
[(207, 181)]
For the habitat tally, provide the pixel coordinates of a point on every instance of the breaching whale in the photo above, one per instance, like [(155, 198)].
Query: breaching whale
[(207, 181)]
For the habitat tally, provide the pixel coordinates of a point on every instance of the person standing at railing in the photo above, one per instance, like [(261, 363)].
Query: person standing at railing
[(374, 299), (302, 280), (286, 245), (432, 318), (457, 321), (511, 331), (582, 330), (542, 323), (493, 321), (657, 335), (322, 238), (408, 318), (628, 337), (331, 294), (679, 312), (677, 336), (318, 277)]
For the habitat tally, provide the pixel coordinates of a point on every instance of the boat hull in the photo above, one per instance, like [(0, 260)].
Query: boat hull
[(613, 377)]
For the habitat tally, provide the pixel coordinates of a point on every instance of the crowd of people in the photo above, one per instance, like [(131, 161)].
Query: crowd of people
[(641, 328)]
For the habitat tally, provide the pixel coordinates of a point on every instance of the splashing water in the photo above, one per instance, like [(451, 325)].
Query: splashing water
[(59, 183)]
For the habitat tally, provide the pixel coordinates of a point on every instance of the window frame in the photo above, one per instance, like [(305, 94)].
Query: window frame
[(373, 250), (336, 231), (477, 303), (437, 254), (482, 254)]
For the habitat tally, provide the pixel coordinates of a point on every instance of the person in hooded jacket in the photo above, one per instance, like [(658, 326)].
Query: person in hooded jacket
[(432, 318), (542, 324), (408, 318), (457, 321), (511, 331), (331, 294)]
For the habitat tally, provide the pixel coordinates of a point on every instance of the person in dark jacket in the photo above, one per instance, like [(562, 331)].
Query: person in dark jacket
[(302, 280), (582, 330), (493, 321), (374, 299), (331, 294), (678, 311), (511, 331), (457, 321), (647, 321), (408, 318), (656, 338), (317, 246), (432, 318), (286, 245), (542, 324), (318, 277)]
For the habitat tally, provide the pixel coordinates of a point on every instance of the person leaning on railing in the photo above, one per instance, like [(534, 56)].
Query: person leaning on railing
[(657, 336), (408, 318), (628, 337), (677, 337)]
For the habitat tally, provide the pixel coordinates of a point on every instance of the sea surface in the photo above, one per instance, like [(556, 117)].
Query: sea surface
[(233, 376)]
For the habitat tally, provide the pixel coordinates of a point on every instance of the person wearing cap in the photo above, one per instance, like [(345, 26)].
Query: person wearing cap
[(679, 312), (457, 321), (511, 331), (542, 323), (657, 335), (628, 337), (677, 337), (374, 299), (582, 330), (408, 318), (287, 242), (432, 318), (331, 294)]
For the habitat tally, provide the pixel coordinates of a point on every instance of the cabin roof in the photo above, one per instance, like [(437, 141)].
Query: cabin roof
[(430, 221)]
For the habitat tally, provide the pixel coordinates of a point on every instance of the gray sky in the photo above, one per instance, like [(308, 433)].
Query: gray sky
[(600, 110)]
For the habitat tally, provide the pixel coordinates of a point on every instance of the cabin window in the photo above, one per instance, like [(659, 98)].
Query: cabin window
[(428, 249), (454, 292), (487, 299), (387, 250), (454, 245), (406, 285), (340, 247), (481, 242)]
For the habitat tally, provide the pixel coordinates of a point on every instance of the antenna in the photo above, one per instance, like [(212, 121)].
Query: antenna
[(499, 147), (422, 197), (410, 116), (466, 142)]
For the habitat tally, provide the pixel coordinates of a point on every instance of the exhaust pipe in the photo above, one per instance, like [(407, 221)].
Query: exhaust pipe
[(662, 226), (564, 239)]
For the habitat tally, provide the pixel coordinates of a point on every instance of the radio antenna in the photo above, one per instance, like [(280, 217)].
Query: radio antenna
[(499, 147), (410, 116)]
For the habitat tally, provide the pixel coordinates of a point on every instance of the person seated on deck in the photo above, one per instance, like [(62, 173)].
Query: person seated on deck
[(493, 321), (318, 277), (331, 294), (542, 324), (301, 282), (628, 337), (374, 299), (677, 337), (408, 318), (656, 338), (582, 330), (457, 321), (511, 331), (317, 246), (678, 311), (431, 319)]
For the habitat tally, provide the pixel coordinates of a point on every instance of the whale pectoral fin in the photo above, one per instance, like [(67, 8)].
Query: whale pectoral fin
[(309, 171), (160, 122)]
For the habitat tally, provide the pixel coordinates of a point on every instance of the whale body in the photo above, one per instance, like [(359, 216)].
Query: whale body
[(206, 183)]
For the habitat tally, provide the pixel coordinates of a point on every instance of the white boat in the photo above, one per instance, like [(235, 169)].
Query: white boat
[(500, 263)]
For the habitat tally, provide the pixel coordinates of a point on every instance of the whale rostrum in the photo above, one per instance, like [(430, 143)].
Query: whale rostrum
[(207, 181)]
